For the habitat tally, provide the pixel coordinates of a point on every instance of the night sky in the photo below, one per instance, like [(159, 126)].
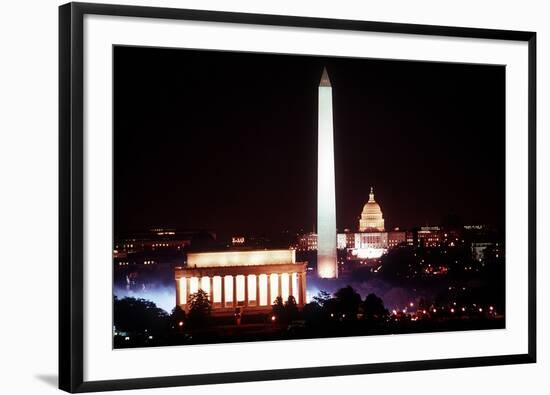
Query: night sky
[(227, 141)]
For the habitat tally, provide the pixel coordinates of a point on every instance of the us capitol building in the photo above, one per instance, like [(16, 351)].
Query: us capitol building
[(370, 242), (371, 217)]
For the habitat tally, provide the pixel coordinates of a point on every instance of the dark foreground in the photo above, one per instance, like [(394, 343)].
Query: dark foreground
[(263, 328)]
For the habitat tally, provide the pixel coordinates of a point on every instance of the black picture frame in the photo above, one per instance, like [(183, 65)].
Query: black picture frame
[(71, 223)]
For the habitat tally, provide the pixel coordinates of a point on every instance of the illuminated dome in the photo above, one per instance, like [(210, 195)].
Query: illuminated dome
[(371, 217)]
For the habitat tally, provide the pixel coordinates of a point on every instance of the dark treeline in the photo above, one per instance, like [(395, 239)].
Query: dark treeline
[(139, 322)]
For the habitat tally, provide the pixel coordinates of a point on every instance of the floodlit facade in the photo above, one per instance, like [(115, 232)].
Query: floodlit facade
[(396, 238), (327, 266), (371, 217), (308, 242), (248, 281)]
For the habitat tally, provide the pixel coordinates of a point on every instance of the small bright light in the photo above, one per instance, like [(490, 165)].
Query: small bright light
[(480, 309), (127, 338), (423, 311), (273, 318), (452, 310), (343, 316), (180, 323), (331, 314), (464, 309), (411, 304), (150, 337), (491, 308), (435, 310), (394, 312)]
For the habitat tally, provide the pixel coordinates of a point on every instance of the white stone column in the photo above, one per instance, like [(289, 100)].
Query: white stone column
[(187, 290), (223, 291), (257, 289), (246, 290), (211, 278), (290, 284), (234, 291), (269, 301)]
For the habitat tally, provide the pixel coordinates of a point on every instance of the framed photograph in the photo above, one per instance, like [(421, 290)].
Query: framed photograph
[(251, 197)]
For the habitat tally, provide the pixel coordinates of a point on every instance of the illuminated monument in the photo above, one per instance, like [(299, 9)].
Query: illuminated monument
[(371, 217), (245, 280), (327, 266)]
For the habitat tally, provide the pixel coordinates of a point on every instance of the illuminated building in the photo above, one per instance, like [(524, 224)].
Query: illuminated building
[(429, 236), (371, 217), (327, 265), (371, 242), (412, 239), (341, 241), (308, 242), (159, 239), (485, 250), (371, 245), (396, 238), (246, 280), (352, 239)]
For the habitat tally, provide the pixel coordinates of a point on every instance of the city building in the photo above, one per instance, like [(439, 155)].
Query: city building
[(429, 236), (160, 239), (396, 238), (371, 245), (243, 281), (308, 242), (371, 218)]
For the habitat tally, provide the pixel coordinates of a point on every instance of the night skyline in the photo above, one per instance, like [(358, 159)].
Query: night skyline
[(227, 141)]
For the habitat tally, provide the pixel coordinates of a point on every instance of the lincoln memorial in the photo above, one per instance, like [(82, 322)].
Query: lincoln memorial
[(249, 280)]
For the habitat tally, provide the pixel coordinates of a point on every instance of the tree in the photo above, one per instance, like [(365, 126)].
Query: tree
[(278, 309), (291, 309), (373, 308), (286, 312), (178, 317), (138, 316), (347, 302), (313, 313), (199, 309)]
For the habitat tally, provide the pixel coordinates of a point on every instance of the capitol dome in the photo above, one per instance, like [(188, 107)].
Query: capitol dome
[(371, 217)]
